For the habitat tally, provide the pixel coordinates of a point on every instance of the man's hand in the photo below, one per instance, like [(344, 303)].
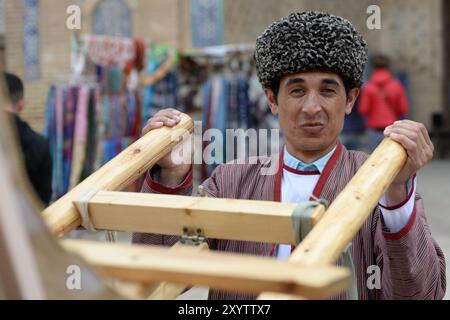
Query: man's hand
[(172, 174), (413, 136)]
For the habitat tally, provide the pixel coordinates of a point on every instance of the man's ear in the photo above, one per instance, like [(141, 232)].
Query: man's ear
[(273, 105), (351, 99), (20, 105)]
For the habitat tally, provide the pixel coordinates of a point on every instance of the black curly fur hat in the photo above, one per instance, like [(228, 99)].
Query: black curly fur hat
[(310, 41)]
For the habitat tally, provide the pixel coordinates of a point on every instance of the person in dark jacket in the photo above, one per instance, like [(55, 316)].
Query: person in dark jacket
[(35, 148)]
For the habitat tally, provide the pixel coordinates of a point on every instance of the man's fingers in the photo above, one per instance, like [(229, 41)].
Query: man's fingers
[(169, 113), (412, 146), (155, 124), (409, 144), (160, 120), (416, 132), (167, 121), (152, 125), (411, 132), (420, 127), (404, 140)]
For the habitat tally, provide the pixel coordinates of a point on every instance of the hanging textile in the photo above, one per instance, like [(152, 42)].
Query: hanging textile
[(80, 135), (215, 115), (89, 124), (162, 82), (232, 98), (69, 110), (86, 129), (105, 50), (91, 163)]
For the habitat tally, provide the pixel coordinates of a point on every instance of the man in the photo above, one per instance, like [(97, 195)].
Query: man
[(310, 65), (35, 148), (383, 101)]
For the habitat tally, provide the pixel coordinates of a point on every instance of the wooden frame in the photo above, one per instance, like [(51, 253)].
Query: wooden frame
[(244, 219), (298, 276), (247, 220)]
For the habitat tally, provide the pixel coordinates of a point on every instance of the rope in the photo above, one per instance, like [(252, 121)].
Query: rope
[(347, 261), (302, 224), (82, 205), (302, 218)]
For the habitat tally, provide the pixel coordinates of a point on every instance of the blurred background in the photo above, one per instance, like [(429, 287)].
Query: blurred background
[(94, 71)]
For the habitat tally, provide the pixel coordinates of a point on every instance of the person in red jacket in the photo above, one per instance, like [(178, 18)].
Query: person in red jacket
[(383, 101)]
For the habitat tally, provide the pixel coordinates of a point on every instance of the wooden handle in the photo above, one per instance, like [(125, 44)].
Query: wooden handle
[(345, 216), (62, 216), (326, 241)]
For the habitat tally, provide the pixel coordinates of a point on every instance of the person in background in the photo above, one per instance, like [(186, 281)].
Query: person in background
[(383, 101), (353, 133), (35, 148)]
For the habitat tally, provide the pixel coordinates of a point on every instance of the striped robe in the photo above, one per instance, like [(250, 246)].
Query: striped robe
[(412, 264)]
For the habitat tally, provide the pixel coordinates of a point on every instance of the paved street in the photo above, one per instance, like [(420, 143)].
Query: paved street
[(434, 187)]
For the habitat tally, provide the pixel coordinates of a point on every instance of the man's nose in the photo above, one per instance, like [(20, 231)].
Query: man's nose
[(311, 105)]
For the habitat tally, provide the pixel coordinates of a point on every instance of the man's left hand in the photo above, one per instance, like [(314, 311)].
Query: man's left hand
[(413, 136)]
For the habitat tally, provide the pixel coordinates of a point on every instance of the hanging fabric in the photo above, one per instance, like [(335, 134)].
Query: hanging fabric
[(80, 135), (85, 131), (106, 50), (161, 81)]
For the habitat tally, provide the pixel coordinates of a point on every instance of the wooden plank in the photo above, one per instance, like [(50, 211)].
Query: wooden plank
[(156, 291), (19, 270), (248, 220), (32, 264), (345, 216), (62, 216), (167, 290), (223, 271)]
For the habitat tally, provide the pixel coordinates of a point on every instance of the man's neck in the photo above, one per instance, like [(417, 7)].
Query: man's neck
[(309, 156)]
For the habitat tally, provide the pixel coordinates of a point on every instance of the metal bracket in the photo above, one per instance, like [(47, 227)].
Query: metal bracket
[(192, 236)]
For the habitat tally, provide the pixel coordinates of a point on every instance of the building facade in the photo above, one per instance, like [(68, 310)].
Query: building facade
[(412, 33)]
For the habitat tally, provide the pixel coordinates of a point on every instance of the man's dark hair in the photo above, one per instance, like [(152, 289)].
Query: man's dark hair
[(380, 61), (15, 87)]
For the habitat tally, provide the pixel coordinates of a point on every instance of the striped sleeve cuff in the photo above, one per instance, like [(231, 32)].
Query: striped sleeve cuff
[(398, 219), (152, 182)]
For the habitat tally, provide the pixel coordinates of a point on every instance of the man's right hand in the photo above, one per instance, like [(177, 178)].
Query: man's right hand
[(172, 174)]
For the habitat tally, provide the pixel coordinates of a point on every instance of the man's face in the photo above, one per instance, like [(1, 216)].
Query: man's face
[(311, 107)]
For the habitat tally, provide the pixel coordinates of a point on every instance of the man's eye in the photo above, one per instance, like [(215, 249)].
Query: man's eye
[(327, 90), (298, 91)]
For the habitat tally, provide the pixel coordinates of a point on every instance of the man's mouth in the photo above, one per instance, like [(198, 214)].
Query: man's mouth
[(312, 127), (311, 124)]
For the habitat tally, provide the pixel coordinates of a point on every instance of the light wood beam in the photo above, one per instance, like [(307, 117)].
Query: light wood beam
[(223, 271), (62, 216), (247, 220), (167, 290), (327, 240)]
